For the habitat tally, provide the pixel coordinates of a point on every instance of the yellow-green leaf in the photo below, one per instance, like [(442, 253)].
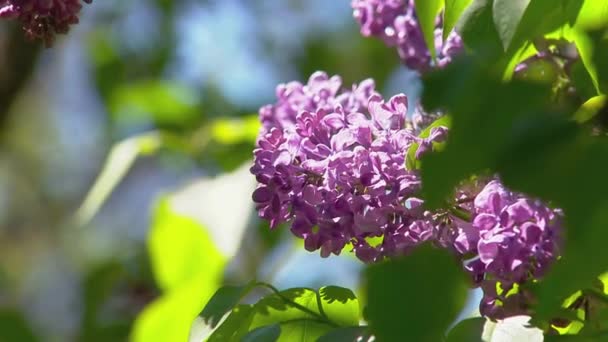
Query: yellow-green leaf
[(187, 267)]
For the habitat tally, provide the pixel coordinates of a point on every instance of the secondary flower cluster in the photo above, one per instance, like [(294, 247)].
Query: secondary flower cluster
[(395, 22), (42, 19), (331, 164), (513, 239)]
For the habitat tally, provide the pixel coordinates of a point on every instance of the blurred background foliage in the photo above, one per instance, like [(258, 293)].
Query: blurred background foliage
[(156, 98)]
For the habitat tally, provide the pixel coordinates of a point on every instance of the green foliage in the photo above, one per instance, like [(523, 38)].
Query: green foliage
[(270, 333), (226, 298), (351, 334), (526, 20), (187, 267), (468, 330), (515, 129), (418, 295), (121, 158), (300, 314), (160, 102), (479, 34), (507, 14), (451, 13), (474, 99), (233, 131), (13, 327), (426, 11)]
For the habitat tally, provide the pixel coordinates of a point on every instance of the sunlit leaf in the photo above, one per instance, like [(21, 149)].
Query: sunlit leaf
[(590, 108), (117, 164), (234, 131), (154, 101), (187, 267), (593, 14), (340, 305), (426, 11), (452, 12)]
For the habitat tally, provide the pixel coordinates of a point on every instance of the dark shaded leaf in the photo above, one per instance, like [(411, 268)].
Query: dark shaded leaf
[(351, 334), (404, 295), (468, 330), (507, 14), (476, 26), (236, 325), (14, 327), (224, 299), (269, 333)]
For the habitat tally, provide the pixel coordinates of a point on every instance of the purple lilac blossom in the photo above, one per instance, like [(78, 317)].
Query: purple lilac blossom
[(514, 239), (42, 19), (395, 22), (330, 163)]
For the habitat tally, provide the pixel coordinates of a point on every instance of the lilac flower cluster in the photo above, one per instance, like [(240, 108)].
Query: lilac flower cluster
[(330, 164), (395, 22), (42, 19), (514, 239)]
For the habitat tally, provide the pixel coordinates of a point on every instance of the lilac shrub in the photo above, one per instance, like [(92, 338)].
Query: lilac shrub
[(330, 163), (395, 22), (42, 19)]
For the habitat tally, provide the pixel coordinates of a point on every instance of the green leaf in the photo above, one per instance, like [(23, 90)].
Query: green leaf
[(235, 131), (405, 294), (160, 102), (269, 333), (350, 334), (224, 299), (426, 11), (297, 310), (121, 158), (467, 90), (14, 327), (507, 15), (236, 325), (303, 314), (468, 330), (187, 267), (181, 249), (540, 17), (593, 14), (340, 305), (411, 163), (452, 11), (476, 26), (599, 40), (590, 108)]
